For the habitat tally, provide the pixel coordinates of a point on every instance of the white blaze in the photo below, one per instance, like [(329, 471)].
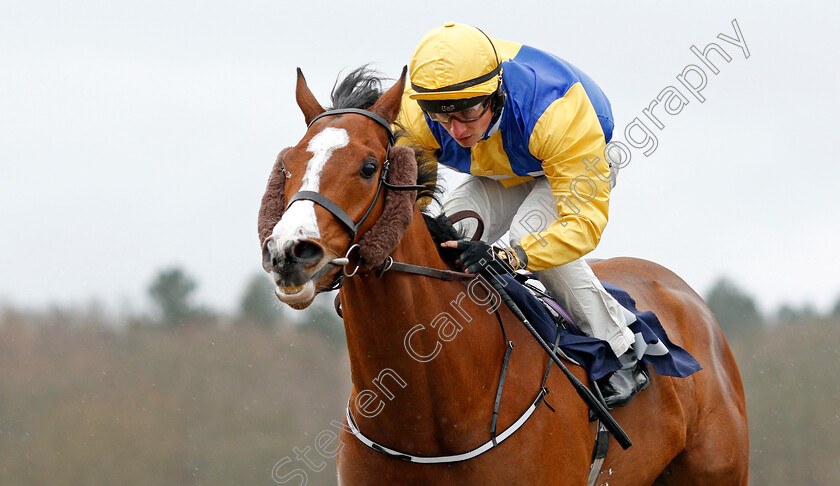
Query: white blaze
[(299, 221)]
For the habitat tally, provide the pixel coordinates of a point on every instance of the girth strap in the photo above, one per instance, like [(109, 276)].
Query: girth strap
[(599, 453)]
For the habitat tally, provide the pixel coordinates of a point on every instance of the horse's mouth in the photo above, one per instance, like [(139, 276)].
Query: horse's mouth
[(298, 296)]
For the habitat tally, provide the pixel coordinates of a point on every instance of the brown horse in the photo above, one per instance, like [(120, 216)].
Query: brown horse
[(426, 353)]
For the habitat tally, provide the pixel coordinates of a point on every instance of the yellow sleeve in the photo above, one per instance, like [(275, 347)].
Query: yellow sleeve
[(414, 132), (569, 141), (412, 125)]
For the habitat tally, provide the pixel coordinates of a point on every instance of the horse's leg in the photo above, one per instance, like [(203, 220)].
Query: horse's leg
[(715, 445), (716, 454), (693, 468)]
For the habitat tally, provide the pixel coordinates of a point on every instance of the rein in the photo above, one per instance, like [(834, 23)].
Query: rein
[(606, 424), (495, 439)]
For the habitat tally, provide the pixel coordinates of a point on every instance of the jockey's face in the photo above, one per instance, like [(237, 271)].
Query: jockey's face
[(469, 133)]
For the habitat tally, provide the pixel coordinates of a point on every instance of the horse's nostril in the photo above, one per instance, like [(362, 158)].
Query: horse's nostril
[(270, 255), (307, 251)]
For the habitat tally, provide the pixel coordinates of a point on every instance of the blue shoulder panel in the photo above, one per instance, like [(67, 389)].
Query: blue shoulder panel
[(533, 80), (550, 79), (527, 99)]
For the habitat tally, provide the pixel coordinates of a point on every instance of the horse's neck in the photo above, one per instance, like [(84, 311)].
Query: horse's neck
[(404, 340)]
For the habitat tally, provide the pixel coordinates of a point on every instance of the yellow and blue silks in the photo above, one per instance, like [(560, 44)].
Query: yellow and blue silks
[(555, 123)]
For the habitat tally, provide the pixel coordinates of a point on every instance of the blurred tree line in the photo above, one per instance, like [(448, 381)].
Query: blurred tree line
[(737, 313), (789, 361), (183, 394), (180, 394), (172, 293)]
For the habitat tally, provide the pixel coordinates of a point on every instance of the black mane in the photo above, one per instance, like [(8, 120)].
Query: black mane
[(441, 230), (359, 89)]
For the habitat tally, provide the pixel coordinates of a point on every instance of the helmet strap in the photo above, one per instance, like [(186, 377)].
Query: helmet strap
[(498, 106)]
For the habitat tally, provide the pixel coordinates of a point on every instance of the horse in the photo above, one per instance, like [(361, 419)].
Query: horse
[(427, 349)]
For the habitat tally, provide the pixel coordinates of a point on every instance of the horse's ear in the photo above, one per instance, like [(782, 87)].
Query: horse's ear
[(388, 105), (306, 100)]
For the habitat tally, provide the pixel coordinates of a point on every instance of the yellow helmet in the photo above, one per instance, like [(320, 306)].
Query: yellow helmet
[(454, 62)]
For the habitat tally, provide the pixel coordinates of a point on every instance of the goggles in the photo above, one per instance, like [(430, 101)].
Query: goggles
[(445, 112)]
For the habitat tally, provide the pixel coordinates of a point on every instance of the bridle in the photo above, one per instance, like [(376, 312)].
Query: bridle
[(336, 210)]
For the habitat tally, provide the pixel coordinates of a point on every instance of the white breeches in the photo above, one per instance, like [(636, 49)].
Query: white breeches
[(530, 207)]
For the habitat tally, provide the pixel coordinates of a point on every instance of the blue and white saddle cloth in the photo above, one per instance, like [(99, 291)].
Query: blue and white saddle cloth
[(652, 345)]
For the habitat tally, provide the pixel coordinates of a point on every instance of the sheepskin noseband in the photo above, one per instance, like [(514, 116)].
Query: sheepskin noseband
[(274, 199), (385, 234)]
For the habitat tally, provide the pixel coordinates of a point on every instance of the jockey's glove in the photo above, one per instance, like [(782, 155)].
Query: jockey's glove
[(477, 257)]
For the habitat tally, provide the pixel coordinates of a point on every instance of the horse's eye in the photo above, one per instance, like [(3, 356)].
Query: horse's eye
[(368, 168)]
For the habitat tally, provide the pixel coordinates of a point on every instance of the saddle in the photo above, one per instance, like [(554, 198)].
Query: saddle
[(549, 318)]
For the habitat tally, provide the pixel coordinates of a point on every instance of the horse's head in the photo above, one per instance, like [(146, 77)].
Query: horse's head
[(326, 192)]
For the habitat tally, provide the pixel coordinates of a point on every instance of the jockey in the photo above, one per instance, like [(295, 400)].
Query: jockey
[(530, 130)]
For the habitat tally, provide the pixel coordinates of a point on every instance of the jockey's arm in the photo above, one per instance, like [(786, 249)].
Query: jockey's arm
[(569, 141)]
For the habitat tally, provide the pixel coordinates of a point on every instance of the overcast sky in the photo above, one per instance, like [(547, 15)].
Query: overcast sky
[(139, 135)]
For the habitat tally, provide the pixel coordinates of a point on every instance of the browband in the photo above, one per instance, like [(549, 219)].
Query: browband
[(373, 116)]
